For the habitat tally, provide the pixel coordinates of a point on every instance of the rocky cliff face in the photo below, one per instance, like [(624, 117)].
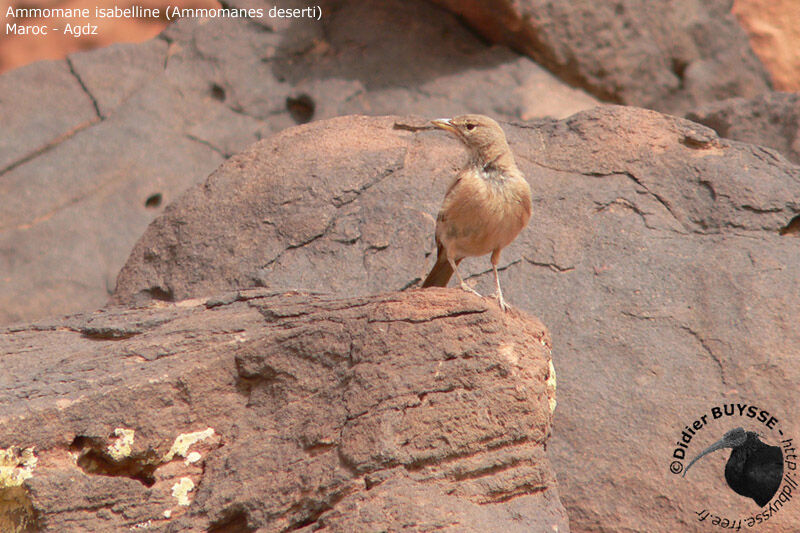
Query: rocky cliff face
[(655, 253), (771, 119), (280, 412), (662, 255), (668, 56), (104, 140)]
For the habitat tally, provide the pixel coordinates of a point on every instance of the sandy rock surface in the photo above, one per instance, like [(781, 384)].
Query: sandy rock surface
[(275, 412), (669, 56), (104, 140), (654, 255)]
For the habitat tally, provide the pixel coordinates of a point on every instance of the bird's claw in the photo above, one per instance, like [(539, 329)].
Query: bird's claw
[(467, 288), (501, 301)]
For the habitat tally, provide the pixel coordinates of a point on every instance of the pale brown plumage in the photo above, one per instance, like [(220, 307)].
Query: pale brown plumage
[(485, 207)]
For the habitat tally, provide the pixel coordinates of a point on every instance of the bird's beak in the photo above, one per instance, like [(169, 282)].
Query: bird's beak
[(444, 124), (714, 447), (733, 438)]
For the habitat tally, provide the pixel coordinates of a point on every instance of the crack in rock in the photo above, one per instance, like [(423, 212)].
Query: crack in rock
[(85, 88)]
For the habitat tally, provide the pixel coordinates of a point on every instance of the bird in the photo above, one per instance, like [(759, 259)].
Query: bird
[(485, 207), (754, 469)]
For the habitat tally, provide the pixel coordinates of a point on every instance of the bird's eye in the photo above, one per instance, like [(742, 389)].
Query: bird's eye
[(470, 126)]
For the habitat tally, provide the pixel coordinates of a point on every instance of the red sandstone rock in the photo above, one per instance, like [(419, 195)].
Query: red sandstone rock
[(654, 255), (273, 412), (104, 140), (669, 56), (775, 37)]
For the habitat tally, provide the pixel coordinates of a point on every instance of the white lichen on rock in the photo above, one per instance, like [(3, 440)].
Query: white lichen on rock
[(193, 457), (181, 490), (185, 441), (551, 387), (16, 465), (122, 446)]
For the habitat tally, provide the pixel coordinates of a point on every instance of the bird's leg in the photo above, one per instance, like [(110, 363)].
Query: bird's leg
[(499, 293), (464, 285)]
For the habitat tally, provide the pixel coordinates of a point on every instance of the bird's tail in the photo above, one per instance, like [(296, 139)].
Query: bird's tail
[(441, 272)]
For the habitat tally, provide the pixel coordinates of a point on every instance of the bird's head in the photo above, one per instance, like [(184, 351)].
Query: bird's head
[(732, 439), (483, 137)]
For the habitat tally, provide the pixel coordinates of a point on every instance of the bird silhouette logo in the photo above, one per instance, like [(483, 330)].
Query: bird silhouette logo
[(754, 469)]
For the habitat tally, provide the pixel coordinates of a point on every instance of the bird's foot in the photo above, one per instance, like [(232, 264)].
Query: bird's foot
[(467, 288), (501, 301)]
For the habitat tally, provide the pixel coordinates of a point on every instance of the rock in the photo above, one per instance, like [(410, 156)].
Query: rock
[(669, 56), (19, 50), (76, 207), (653, 255), (272, 218), (771, 119), (107, 84), (106, 139), (370, 57), (286, 411), (29, 94), (775, 37), (316, 206)]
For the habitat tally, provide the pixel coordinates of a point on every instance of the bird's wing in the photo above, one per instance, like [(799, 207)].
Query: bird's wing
[(465, 201), (441, 218)]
